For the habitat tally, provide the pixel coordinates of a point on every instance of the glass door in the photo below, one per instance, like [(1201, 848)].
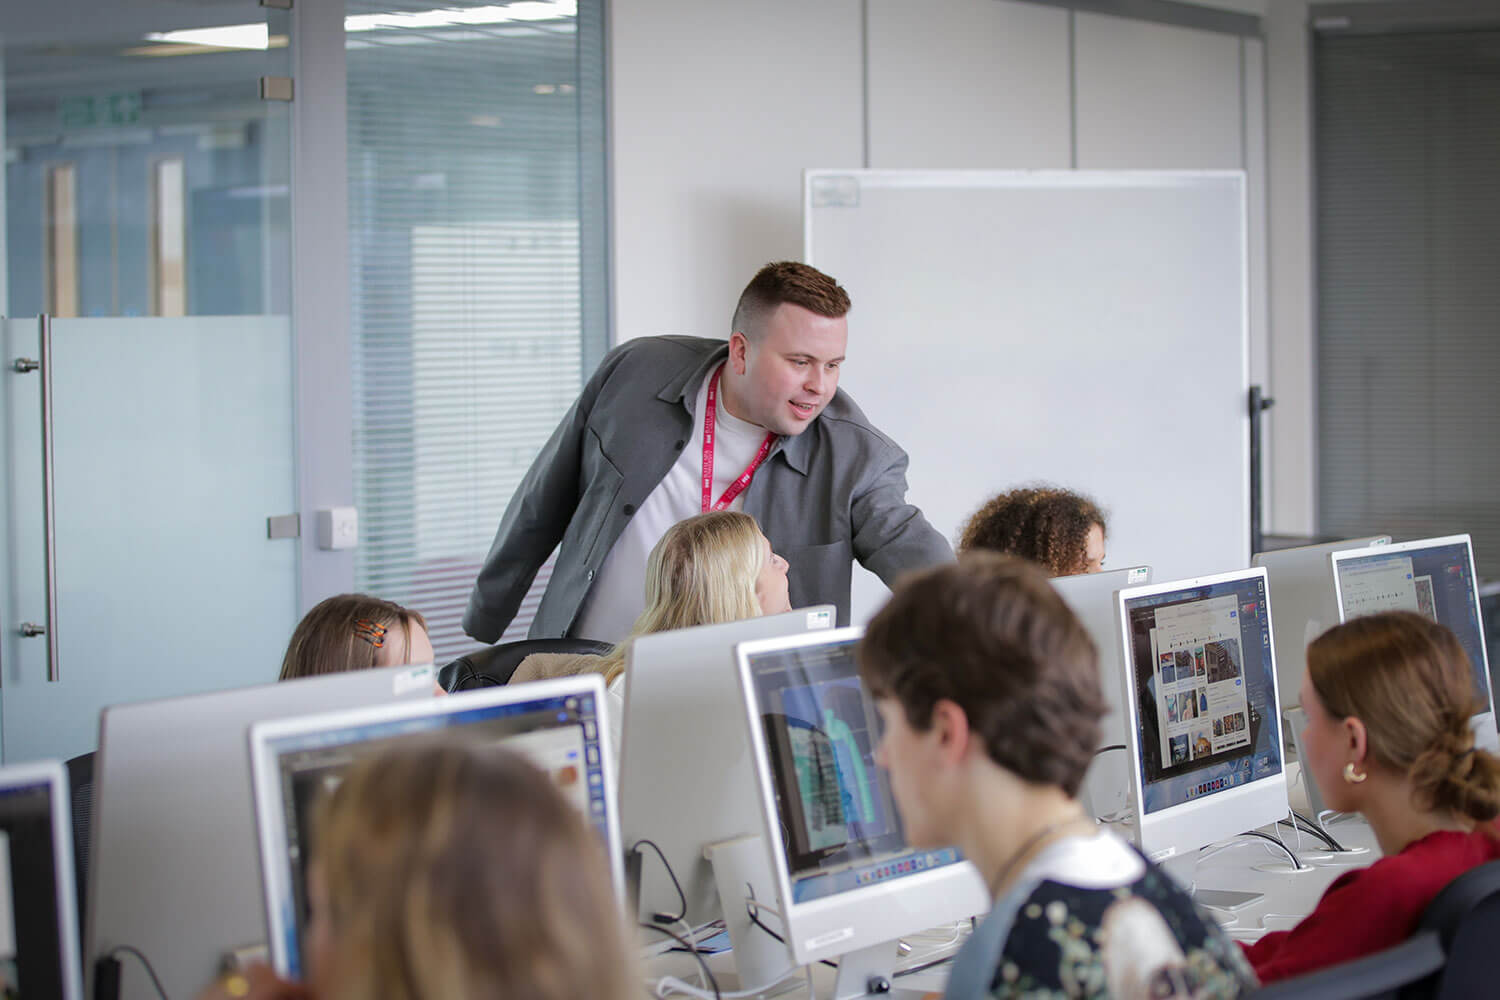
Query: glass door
[(147, 361)]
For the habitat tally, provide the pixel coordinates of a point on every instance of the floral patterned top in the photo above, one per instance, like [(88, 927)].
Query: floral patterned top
[(1090, 918)]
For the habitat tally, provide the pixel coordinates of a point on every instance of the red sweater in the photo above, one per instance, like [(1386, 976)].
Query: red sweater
[(1371, 909)]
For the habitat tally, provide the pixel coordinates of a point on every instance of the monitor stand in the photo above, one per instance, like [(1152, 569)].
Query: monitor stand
[(742, 873), (870, 972)]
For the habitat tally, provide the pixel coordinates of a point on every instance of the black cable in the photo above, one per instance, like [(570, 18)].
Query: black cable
[(751, 911), (1297, 865), (1112, 746), (127, 949), (1316, 830), (689, 946), (665, 918)]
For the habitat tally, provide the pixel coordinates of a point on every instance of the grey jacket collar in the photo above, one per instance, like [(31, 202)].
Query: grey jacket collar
[(683, 388)]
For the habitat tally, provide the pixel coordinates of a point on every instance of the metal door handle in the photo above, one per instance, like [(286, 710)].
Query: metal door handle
[(49, 520)]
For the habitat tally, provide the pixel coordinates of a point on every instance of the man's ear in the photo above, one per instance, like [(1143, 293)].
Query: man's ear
[(739, 352), (950, 730)]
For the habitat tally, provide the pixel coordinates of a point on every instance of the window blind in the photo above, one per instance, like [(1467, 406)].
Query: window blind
[(1408, 175), (477, 267)]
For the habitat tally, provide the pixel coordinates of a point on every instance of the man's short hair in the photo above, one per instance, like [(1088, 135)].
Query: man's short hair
[(991, 635), (782, 282)]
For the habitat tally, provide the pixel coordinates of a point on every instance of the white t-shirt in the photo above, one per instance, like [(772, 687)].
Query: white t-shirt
[(618, 595)]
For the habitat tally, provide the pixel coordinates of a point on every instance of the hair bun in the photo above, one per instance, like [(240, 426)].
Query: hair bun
[(1456, 776)]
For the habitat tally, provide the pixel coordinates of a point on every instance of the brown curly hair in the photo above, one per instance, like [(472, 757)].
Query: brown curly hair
[(1045, 524)]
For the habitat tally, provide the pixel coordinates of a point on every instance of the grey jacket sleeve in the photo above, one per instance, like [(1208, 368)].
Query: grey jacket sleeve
[(536, 519), (891, 536)]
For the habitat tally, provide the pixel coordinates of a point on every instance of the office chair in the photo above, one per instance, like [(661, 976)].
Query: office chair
[(1450, 956), (81, 800), (494, 665)]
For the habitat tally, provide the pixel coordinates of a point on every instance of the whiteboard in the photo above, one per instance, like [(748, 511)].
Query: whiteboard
[(1084, 329)]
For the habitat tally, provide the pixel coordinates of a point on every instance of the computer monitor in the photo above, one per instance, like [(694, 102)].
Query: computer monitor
[(174, 870), (847, 881), (685, 776), (1091, 596), (1306, 605), (38, 903), (1433, 577), (559, 724), (1204, 723)]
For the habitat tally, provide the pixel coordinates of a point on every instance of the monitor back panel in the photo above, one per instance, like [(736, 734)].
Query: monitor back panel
[(1301, 581), (685, 772), (175, 870)]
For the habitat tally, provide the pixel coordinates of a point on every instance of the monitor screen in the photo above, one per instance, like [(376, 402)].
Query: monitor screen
[(1434, 578), (1204, 680), (840, 827), (35, 913), (561, 732)]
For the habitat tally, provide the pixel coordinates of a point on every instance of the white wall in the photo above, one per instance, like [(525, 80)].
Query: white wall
[(717, 108)]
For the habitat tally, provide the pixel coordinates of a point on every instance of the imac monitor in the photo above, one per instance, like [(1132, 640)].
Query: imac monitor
[(685, 777), (1091, 596), (174, 869), (559, 724), (1204, 724), (848, 881), (1306, 605), (1433, 577), (38, 903)]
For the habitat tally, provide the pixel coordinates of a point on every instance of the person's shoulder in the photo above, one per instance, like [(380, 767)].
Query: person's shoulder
[(844, 422), (664, 349)]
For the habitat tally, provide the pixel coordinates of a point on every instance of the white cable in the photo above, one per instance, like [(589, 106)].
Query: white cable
[(671, 985), (692, 942)]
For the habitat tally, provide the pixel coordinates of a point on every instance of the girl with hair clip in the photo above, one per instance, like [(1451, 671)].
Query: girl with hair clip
[(355, 632), (706, 570), (1388, 699), (454, 871)]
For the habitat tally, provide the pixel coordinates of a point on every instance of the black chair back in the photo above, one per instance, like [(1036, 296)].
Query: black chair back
[(1466, 916), (494, 665)]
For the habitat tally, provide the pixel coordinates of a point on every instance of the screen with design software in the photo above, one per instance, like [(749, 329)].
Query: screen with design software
[(1202, 669), (839, 819)]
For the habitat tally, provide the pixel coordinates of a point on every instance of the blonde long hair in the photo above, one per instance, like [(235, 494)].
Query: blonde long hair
[(702, 572), (461, 872)]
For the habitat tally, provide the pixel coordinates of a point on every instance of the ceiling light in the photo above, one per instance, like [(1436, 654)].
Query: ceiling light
[(229, 36), (526, 10)]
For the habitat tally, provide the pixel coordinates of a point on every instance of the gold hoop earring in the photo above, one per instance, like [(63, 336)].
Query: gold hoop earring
[(1352, 776)]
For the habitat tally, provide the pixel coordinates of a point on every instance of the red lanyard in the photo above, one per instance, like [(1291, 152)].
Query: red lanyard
[(737, 487)]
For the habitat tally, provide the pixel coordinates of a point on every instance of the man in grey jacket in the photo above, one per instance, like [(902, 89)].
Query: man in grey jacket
[(669, 427)]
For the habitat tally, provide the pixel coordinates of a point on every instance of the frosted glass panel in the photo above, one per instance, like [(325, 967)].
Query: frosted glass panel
[(173, 443)]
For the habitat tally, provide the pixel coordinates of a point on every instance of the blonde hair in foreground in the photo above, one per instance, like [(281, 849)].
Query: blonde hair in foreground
[(460, 872), (702, 572)]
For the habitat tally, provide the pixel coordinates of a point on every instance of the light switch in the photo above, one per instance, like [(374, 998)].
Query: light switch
[(338, 528)]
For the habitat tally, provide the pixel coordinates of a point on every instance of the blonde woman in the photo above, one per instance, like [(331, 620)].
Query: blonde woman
[(713, 568), (454, 871)]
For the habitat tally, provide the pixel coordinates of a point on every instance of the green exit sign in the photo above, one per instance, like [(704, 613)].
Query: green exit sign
[(103, 110)]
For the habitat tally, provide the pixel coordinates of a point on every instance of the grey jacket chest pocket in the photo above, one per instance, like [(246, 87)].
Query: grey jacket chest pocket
[(819, 574)]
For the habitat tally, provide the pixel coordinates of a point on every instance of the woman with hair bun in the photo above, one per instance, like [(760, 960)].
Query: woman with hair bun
[(1388, 699)]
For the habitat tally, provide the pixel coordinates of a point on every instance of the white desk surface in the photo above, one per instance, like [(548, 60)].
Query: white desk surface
[(1245, 866)]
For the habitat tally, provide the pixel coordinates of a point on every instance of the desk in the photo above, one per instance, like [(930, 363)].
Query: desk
[(1246, 865), (1288, 896)]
